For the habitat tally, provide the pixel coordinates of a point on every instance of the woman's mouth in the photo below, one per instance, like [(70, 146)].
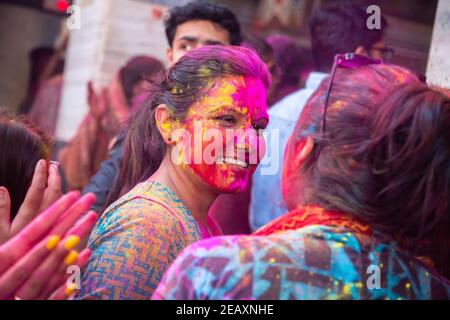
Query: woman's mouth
[(232, 161)]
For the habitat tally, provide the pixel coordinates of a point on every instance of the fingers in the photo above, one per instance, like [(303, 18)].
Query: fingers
[(83, 258), (63, 293), (73, 214), (95, 101), (32, 203), (18, 246), (84, 225), (102, 101), (61, 278), (39, 278), (5, 214), (33, 274), (91, 94), (81, 229), (105, 97), (53, 190), (12, 279)]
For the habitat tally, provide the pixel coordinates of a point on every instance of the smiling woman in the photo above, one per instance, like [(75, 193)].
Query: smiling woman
[(231, 115), (213, 94)]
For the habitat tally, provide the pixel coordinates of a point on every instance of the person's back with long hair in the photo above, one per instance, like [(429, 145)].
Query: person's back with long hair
[(22, 145), (384, 158)]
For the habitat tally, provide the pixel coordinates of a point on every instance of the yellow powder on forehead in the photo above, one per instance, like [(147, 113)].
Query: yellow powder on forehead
[(245, 111), (221, 96)]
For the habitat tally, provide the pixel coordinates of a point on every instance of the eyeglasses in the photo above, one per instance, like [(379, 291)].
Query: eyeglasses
[(347, 61), (387, 53)]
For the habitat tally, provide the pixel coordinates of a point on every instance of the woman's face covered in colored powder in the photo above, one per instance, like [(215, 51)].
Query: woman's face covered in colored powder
[(224, 142)]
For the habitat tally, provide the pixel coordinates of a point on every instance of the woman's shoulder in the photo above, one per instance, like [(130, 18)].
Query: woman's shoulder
[(135, 239), (315, 239), (146, 198), (140, 211)]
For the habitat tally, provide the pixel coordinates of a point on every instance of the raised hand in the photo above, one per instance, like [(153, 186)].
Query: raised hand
[(33, 263), (45, 189), (97, 102)]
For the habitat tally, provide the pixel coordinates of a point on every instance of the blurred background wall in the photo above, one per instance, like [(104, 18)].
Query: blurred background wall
[(438, 70), (22, 29), (114, 30)]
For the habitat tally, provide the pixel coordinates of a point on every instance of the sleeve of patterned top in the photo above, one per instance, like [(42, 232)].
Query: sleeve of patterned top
[(315, 262), (132, 245), (292, 265)]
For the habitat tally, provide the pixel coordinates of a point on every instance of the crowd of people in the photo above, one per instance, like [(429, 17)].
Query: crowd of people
[(164, 192)]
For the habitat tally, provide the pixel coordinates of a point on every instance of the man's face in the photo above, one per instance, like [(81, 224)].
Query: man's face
[(376, 51), (379, 51), (194, 34)]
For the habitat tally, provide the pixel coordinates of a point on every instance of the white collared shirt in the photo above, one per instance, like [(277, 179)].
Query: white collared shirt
[(266, 200)]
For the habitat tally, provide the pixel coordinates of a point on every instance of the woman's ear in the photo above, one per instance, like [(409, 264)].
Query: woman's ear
[(303, 149), (169, 55), (361, 51), (164, 121), (296, 152)]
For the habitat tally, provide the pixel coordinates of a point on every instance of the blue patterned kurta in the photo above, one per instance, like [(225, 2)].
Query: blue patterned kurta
[(135, 241), (314, 262)]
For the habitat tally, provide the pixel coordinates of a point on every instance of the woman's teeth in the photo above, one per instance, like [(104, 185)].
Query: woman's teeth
[(232, 161)]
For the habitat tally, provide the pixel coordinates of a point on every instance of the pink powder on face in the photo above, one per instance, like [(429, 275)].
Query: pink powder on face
[(246, 96)]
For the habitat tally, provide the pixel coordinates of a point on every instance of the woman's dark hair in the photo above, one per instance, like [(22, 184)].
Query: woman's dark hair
[(384, 157), (182, 85), (339, 28), (202, 10), (21, 146), (137, 69)]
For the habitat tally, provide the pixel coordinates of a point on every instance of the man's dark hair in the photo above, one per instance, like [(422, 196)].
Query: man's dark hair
[(340, 28), (202, 10)]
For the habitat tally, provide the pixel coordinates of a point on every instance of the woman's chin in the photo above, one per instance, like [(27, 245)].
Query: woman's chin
[(234, 188)]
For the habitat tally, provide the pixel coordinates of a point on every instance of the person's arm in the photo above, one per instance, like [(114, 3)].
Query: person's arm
[(103, 181), (75, 156)]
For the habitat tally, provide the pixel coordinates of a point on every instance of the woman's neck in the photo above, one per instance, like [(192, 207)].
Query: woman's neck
[(196, 197)]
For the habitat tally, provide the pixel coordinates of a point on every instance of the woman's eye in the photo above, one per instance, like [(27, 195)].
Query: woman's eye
[(227, 119)]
